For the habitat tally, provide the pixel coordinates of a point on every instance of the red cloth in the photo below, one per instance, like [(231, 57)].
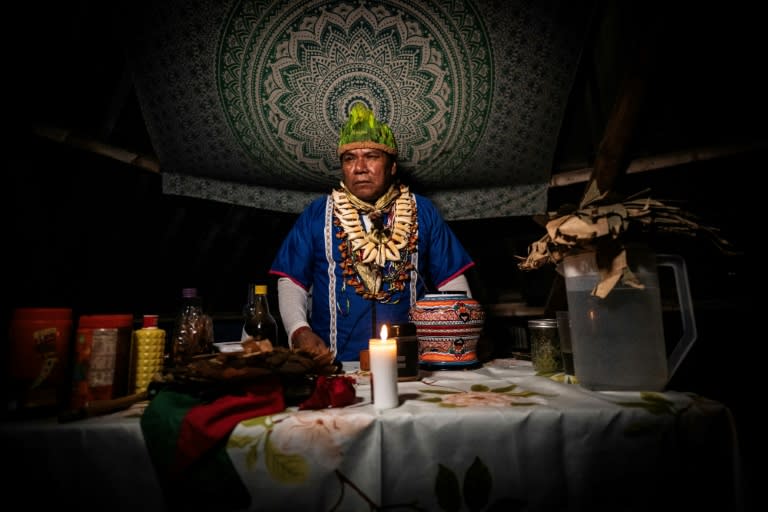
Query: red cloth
[(207, 424), (333, 391)]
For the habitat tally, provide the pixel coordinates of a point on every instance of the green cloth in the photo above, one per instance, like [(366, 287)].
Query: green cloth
[(209, 483)]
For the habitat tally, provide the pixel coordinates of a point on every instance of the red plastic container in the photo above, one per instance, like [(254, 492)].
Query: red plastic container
[(102, 358), (39, 356)]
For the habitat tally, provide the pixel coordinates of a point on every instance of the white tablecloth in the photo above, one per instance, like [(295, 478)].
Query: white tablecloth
[(497, 435), (460, 440)]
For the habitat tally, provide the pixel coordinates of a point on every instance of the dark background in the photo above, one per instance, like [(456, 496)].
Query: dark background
[(91, 233), (99, 236)]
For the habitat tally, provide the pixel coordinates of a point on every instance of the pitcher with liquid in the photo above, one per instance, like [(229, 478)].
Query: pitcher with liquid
[(618, 341)]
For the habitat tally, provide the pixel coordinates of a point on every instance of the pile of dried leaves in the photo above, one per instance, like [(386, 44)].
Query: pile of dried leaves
[(245, 366), (598, 227)]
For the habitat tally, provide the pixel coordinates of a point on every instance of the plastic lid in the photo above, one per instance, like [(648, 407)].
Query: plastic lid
[(46, 314), (261, 289), (105, 321), (189, 292), (150, 321), (544, 323)]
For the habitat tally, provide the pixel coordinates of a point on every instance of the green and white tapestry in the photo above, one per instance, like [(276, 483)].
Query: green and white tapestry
[(244, 98)]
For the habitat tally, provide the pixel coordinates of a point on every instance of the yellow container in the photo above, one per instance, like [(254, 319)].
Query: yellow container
[(148, 353)]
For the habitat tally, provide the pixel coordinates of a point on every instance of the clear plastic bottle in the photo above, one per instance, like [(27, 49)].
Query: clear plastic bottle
[(193, 331), (258, 322)]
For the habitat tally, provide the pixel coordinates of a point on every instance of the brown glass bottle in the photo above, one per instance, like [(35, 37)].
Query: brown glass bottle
[(258, 323)]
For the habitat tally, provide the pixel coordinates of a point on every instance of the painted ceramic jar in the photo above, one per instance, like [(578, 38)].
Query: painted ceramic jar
[(448, 327)]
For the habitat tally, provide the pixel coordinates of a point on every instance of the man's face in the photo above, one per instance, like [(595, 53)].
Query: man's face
[(367, 172)]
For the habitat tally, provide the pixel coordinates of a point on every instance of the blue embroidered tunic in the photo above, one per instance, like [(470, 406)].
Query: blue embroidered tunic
[(310, 256)]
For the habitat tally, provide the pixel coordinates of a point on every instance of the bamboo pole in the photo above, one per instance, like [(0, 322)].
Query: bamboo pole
[(662, 161), (146, 162)]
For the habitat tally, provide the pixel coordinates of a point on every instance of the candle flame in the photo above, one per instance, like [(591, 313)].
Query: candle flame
[(384, 333)]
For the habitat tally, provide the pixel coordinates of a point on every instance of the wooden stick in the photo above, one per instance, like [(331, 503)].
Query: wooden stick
[(99, 407)]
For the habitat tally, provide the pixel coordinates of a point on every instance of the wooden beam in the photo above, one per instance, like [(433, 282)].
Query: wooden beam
[(146, 162), (612, 154), (662, 161)]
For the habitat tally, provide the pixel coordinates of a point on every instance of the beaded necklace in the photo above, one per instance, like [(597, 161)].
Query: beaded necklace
[(376, 262)]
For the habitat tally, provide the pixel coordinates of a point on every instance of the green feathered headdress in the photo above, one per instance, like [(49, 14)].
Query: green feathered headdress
[(362, 131)]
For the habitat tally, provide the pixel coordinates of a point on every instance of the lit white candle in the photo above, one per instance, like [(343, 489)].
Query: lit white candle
[(383, 355)]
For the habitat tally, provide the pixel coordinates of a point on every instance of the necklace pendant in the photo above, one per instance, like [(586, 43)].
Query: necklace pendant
[(370, 276)]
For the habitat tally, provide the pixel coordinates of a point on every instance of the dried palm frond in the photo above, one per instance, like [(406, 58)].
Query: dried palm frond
[(582, 228)]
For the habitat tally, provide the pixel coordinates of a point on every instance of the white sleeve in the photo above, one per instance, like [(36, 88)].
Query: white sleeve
[(459, 284), (292, 300)]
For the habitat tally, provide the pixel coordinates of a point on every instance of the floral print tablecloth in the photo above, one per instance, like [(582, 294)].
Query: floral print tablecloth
[(500, 437)]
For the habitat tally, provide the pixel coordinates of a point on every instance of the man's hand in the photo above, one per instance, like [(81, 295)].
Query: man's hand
[(305, 339)]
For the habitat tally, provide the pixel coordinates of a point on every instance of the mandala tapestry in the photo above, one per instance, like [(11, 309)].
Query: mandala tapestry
[(244, 99)]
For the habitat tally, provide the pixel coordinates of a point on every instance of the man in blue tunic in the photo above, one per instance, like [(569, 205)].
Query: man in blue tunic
[(360, 256)]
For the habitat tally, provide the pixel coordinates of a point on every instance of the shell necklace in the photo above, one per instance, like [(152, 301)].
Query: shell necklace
[(376, 262)]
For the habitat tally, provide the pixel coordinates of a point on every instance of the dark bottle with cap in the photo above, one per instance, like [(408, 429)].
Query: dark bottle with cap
[(258, 322), (407, 350)]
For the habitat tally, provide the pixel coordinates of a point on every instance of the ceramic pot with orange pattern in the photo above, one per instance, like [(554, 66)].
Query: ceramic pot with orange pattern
[(448, 327)]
